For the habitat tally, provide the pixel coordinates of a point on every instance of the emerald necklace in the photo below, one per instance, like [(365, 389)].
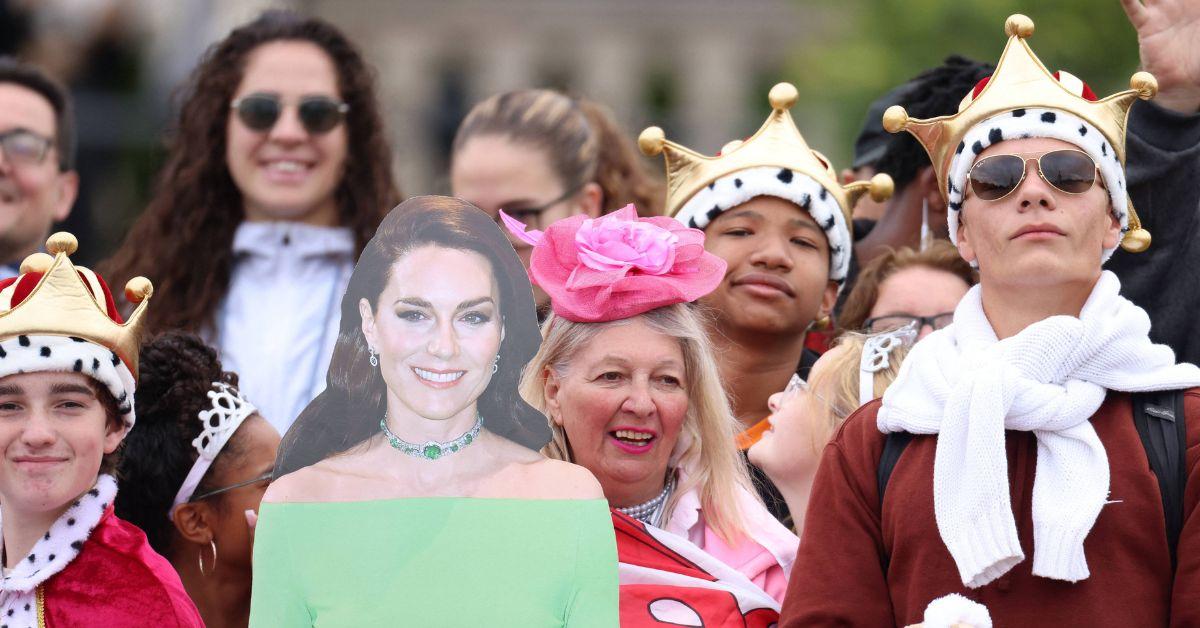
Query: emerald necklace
[(431, 450)]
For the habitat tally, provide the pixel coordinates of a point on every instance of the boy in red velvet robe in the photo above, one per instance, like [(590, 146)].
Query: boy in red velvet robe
[(68, 367)]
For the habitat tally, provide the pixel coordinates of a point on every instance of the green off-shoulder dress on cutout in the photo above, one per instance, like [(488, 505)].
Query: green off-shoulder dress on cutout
[(430, 562)]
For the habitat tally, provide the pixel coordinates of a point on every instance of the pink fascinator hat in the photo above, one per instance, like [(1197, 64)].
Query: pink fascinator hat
[(618, 265)]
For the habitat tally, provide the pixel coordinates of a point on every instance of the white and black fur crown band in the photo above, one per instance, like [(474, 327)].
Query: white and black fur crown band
[(737, 188), (1026, 123)]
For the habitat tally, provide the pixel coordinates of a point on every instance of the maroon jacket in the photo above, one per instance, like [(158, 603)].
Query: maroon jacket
[(839, 578)]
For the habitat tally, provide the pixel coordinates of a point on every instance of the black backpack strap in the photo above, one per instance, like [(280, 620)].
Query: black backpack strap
[(892, 448), (1162, 426)]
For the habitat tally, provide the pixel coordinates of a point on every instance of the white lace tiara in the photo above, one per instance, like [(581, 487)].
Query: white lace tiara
[(876, 357), (229, 409)]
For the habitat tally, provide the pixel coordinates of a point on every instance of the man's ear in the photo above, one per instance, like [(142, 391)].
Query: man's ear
[(1113, 235), (966, 248), (194, 522), (931, 189), (114, 433), (551, 390), (368, 321), (68, 191)]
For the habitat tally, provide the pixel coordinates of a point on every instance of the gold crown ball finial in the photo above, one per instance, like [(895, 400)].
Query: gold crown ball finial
[(783, 96), (895, 119), (62, 242), (1018, 25), (1145, 84), (881, 188), (37, 263), (1136, 240), (138, 289), (651, 141)]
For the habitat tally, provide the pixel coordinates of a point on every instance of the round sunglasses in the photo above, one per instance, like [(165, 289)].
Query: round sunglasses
[(318, 114), (995, 177)]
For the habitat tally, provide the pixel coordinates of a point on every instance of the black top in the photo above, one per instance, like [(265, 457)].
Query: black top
[(1163, 157)]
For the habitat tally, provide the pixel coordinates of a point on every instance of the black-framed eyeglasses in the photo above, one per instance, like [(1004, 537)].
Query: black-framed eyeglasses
[(318, 114), (266, 477), (532, 215), (896, 321), (22, 146)]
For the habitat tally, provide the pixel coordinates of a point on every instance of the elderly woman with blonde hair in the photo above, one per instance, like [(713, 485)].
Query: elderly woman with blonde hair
[(627, 377)]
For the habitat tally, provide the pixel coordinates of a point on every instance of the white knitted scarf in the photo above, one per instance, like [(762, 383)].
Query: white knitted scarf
[(967, 387)]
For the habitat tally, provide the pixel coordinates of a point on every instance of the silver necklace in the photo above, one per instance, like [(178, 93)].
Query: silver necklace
[(650, 513), (431, 450)]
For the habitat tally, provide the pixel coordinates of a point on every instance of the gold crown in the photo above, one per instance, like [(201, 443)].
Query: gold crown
[(777, 143), (62, 304), (1021, 81)]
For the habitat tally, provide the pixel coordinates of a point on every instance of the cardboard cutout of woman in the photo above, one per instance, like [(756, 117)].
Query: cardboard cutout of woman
[(411, 490)]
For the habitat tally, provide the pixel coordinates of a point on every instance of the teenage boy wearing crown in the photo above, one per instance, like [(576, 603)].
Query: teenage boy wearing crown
[(68, 366), (773, 209), (1026, 485)]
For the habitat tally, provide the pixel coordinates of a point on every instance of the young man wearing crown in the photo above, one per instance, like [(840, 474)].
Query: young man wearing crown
[(773, 209), (68, 368), (1026, 485)]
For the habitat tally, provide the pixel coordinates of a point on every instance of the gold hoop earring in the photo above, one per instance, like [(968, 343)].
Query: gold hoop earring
[(200, 558)]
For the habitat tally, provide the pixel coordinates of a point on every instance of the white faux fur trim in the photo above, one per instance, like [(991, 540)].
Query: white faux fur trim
[(1025, 123), (31, 354), (737, 188), (60, 545)]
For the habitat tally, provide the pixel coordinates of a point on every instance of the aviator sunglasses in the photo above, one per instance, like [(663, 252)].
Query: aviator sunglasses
[(318, 114), (1069, 171)]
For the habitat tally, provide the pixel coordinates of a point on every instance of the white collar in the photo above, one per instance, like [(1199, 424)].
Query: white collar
[(64, 540), (269, 239)]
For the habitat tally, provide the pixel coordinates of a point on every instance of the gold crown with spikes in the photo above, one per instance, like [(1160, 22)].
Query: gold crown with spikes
[(1021, 81), (777, 143), (62, 304)]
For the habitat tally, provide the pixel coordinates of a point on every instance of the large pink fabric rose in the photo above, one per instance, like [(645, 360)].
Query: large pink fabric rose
[(619, 265)]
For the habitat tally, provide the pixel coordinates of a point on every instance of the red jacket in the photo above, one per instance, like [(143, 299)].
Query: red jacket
[(117, 580), (839, 578)]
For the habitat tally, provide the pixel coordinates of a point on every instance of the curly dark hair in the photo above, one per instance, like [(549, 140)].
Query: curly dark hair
[(176, 372), (580, 138), (348, 411), (197, 207), (936, 92)]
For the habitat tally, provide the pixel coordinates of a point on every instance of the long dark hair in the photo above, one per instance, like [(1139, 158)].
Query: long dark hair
[(197, 207), (348, 411)]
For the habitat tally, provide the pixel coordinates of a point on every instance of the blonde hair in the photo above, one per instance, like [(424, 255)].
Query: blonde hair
[(705, 448), (837, 383)]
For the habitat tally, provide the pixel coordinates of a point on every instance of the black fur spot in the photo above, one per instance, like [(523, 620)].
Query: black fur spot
[(953, 189), (713, 213), (95, 364), (1082, 130), (977, 147), (828, 226), (3, 353), (31, 557), (115, 359), (78, 368), (45, 352), (47, 537), (835, 251), (805, 201), (71, 521), (955, 206), (737, 183), (692, 223), (121, 399), (77, 545), (785, 175), (24, 340), (995, 136), (76, 339), (1017, 113), (50, 558), (824, 194), (1104, 149), (961, 146), (712, 185), (125, 409), (1049, 117), (95, 492)]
